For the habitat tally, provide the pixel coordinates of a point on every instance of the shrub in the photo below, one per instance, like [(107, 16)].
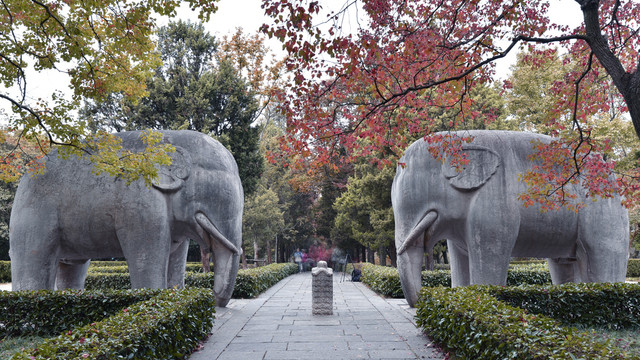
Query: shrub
[(616, 306), (121, 267), (386, 280), (5, 271), (381, 279), (113, 269), (167, 326), (251, 282), (107, 263), (436, 278), (46, 312), (633, 269), (104, 281), (475, 325)]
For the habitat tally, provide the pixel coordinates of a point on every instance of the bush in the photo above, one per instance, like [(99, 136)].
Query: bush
[(475, 325), (436, 278), (99, 263), (251, 282), (46, 312), (112, 269), (105, 281), (615, 306), (633, 269), (121, 267), (167, 326), (386, 281), (381, 279), (5, 271)]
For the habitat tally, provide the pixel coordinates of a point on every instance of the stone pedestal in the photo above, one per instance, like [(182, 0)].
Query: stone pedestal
[(322, 289)]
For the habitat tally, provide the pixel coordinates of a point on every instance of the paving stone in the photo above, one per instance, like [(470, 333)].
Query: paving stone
[(279, 325), (315, 355), (318, 345)]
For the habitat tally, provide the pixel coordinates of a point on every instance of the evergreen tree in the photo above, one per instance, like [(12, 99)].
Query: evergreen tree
[(193, 91)]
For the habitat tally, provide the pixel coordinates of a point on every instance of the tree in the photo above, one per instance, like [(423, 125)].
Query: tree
[(192, 91), (103, 47), (295, 201), (364, 210), (415, 56), (262, 221)]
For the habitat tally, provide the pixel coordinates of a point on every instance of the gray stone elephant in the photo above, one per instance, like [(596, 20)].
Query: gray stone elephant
[(477, 210), (67, 216)]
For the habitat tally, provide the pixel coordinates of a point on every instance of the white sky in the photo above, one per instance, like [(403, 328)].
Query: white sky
[(248, 15)]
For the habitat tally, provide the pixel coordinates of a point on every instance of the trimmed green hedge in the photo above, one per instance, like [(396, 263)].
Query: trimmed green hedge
[(118, 280), (99, 267), (5, 271), (386, 281), (107, 263), (167, 326), (616, 306), (252, 282), (633, 269), (249, 283), (46, 312), (382, 279), (475, 325)]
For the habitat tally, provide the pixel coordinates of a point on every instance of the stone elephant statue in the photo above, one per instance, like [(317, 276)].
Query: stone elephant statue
[(477, 210), (67, 216)]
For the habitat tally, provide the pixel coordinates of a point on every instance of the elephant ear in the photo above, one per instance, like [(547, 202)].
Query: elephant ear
[(172, 177), (483, 163)]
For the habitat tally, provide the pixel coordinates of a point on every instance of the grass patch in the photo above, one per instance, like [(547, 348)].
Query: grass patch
[(12, 344), (626, 340)]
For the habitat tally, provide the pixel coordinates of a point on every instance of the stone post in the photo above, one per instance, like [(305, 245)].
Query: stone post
[(322, 289)]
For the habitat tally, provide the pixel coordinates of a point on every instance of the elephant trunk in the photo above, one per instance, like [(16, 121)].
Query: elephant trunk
[(226, 259), (410, 255)]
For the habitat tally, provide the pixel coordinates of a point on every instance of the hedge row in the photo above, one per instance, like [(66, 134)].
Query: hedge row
[(167, 326), (475, 325), (252, 282), (118, 280), (249, 283), (46, 312), (633, 269), (615, 305), (5, 271), (382, 279), (386, 281), (121, 267)]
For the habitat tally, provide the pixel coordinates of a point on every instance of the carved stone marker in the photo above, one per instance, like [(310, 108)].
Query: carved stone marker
[(322, 289)]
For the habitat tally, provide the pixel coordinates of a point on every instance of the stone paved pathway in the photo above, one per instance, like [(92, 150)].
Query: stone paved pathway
[(279, 325)]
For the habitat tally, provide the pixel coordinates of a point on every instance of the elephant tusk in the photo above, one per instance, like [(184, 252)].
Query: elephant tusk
[(418, 230), (206, 224)]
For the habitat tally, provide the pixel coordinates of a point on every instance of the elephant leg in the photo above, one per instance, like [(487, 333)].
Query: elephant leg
[(459, 261), (603, 242), (563, 270), (34, 251), (177, 264), (146, 247), (491, 237), (71, 274)]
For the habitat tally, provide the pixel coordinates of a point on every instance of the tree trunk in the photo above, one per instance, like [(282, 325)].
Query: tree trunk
[(255, 252), (269, 257), (244, 260), (428, 260), (382, 254), (393, 255), (370, 256), (627, 83), (204, 258)]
